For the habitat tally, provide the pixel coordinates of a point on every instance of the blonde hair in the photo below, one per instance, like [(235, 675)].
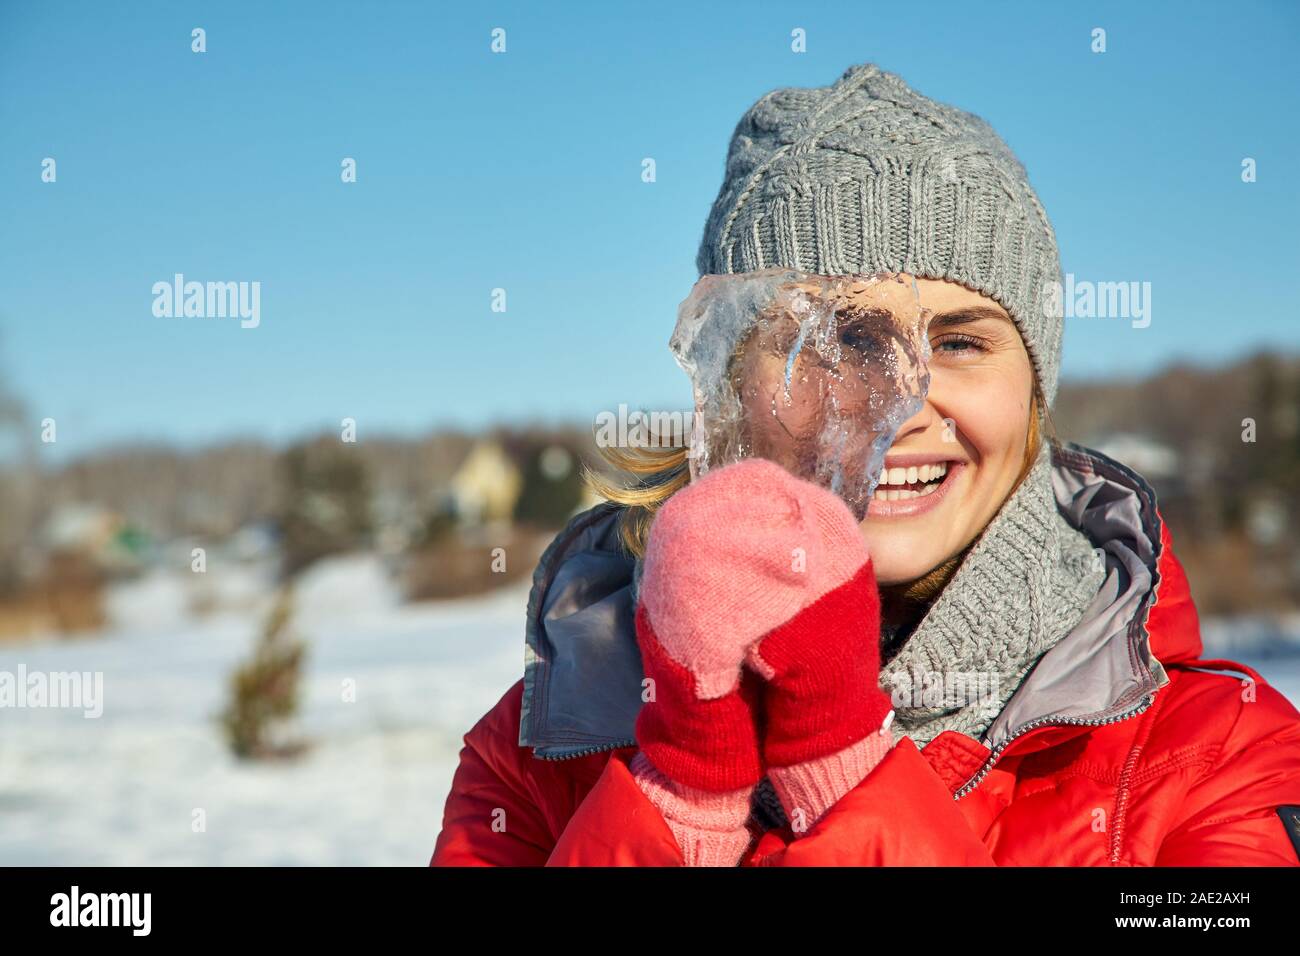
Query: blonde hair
[(660, 473), (660, 469)]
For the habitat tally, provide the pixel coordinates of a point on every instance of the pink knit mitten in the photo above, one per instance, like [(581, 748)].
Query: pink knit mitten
[(751, 564), (827, 720), (700, 755)]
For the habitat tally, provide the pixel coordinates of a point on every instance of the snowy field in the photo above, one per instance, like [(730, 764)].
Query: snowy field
[(123, 788)]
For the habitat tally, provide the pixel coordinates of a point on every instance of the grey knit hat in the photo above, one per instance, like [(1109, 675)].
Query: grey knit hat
[(867, 175)]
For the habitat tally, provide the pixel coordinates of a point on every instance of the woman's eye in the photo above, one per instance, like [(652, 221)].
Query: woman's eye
[(869, 334), (958, 344), (854, 338)]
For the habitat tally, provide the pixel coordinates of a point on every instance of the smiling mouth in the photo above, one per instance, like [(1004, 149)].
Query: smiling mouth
[(901, 484)]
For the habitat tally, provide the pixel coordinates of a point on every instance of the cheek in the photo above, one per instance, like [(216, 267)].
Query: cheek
[(757, 389), (770, 412), (994, 420)]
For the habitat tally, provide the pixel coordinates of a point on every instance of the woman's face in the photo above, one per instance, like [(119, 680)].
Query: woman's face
[(968, 439)]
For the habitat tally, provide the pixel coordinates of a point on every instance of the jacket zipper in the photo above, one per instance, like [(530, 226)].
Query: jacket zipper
[(585, 753), (971, 784)]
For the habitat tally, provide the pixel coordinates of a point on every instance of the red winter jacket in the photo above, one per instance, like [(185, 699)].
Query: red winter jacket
[(1121, 747)]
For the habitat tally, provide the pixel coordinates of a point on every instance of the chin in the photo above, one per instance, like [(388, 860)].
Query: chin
[(896, 563)]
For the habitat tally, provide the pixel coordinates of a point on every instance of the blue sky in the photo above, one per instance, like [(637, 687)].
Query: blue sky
[(523, 171)]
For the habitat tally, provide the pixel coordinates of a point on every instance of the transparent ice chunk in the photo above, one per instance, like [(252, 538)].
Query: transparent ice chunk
[(814, 372)]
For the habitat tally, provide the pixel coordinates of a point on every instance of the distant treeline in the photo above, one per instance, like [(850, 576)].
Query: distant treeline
[(1235, 432), (1233, 499)]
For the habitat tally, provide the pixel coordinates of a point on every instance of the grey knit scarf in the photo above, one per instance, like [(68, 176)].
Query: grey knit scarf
[(1020, 588)]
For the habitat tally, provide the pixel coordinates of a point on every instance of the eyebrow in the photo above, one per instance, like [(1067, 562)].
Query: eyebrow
[(965, 314)]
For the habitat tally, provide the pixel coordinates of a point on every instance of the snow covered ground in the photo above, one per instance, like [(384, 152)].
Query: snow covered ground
[(123, 788)]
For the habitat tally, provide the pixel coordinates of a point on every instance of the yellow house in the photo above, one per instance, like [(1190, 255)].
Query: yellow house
[(486, 485)]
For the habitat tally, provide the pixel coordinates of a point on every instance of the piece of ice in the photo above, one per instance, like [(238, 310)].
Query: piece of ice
[(814, 372)]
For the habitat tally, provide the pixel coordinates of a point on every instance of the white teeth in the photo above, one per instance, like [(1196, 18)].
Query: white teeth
[(912, 475), (902, 494), (909, 476)]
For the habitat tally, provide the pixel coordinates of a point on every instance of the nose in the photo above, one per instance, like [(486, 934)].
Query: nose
[(927, 419)]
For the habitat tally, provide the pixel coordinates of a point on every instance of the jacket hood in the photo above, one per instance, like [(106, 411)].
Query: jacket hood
[(583, 671)]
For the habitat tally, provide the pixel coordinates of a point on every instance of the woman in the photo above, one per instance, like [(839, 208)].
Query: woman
[(997, 666)]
